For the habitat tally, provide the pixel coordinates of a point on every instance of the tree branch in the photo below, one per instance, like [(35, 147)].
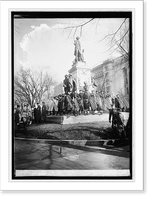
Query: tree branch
[(117, 41), (114, 34), (81, 25)]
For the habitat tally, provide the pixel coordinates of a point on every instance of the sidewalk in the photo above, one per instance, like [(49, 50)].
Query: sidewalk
[(82, 118), (40, 156)]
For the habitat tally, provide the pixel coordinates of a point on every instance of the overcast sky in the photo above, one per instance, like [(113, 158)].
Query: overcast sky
[(44, 43)]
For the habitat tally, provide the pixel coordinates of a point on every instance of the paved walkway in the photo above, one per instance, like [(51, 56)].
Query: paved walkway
[(39, 156), (82, 118)]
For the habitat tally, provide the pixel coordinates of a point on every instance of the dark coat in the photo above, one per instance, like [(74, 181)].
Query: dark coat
[(17, 116), (38, 114), (117, 104), (44, 110)]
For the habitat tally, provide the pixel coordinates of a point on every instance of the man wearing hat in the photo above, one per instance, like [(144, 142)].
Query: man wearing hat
[(66, 84)]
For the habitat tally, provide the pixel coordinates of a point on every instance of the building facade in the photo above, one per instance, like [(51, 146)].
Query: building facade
[(112, 76)]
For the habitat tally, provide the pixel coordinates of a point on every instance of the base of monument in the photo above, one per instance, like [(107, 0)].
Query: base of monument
[(71, 119), (79, 65), (90, 118)]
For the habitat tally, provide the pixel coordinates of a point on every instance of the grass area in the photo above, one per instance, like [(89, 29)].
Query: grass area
[(80, 131)]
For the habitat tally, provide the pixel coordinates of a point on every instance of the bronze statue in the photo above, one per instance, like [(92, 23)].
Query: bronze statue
[(77, 51)]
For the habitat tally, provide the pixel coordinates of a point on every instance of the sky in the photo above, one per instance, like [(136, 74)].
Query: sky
[(48, 44)]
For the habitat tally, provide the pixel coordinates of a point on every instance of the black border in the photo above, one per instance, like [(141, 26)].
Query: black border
[(70, 14)]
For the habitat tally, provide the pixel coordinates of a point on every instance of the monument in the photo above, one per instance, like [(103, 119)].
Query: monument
[(79, 70)]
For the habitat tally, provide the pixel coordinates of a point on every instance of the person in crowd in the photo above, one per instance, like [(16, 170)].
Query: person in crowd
[(70, 82), (81, 103), (98, 101), (65, 103), (51, 105), (34, 112), (47, 109), (76, 105), (29, 110), (74, 87), (93, 102), (55, 105), (17, 115), (44, 112), (38, 113), (86, 102), (118, 123), (70, 104), (60, 105), (66, 84), (117, 104), (25, 115), (111, 109)]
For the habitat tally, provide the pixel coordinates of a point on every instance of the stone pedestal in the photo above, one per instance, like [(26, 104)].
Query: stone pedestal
[(81, 73)]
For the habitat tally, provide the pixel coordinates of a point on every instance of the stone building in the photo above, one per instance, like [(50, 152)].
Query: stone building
[(112, 76)]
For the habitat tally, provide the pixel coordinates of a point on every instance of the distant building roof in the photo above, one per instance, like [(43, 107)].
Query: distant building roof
[(103, 63)]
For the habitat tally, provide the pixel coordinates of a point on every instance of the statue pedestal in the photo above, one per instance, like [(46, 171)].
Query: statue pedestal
[(81, 73)]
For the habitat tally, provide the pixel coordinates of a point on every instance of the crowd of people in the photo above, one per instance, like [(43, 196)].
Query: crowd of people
[(26, 115), (70, 103), (75, 103), (67, 104)]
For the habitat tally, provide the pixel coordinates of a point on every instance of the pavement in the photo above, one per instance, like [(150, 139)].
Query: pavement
[(97, 117), (36, 156), (31, 155)]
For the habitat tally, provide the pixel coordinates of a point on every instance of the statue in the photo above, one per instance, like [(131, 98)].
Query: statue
[(77, 51), (82, 56)]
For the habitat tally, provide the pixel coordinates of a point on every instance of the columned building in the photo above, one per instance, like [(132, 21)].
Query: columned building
[(112, 76)]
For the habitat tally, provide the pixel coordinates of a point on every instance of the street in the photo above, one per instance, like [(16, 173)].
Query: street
[(31, 155)]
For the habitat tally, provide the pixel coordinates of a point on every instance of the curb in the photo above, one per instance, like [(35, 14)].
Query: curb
[(90, 145)]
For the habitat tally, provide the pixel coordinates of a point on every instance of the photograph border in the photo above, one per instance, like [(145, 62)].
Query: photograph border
[(72, 14), (138, 183)]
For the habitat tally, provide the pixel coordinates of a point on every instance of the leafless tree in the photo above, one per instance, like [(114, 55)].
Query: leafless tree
[(118, 40), (30, 87)]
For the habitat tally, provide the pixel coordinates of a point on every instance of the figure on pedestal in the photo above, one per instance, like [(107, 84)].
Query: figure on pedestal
[(66, 84), (82, 56), (77, 51)]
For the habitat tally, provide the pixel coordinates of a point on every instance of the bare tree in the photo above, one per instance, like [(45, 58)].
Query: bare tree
[(118, 40), (30, 87)]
